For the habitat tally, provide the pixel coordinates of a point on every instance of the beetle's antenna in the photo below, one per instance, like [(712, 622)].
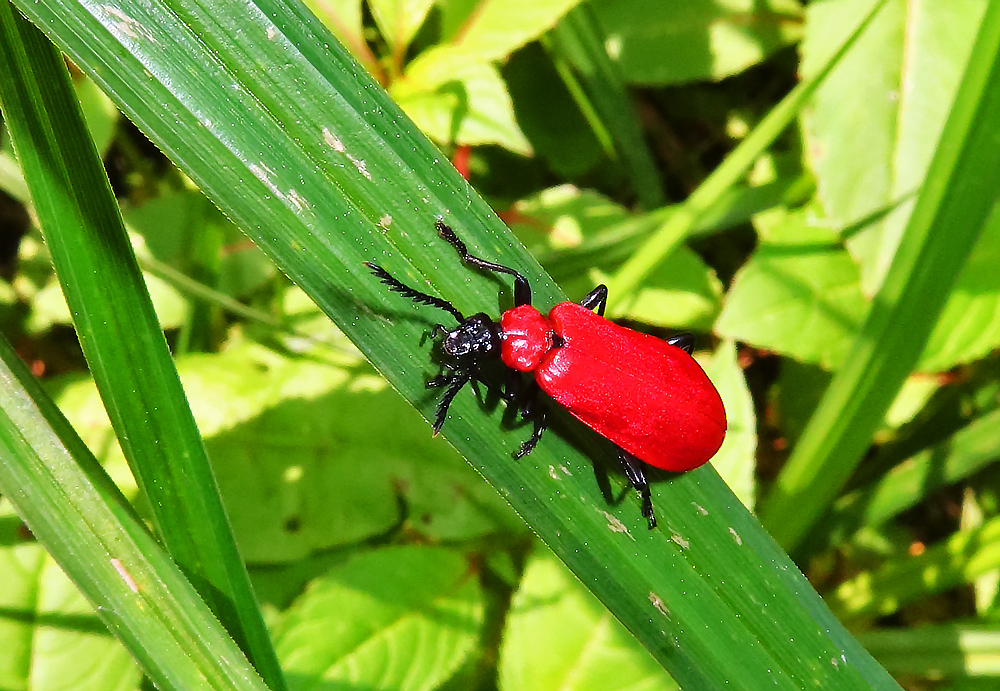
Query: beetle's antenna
[(415, 295), (522, 291)]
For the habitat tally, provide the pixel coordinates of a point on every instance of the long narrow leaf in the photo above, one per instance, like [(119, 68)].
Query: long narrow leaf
[(676, 229), (953, 207), (578, 41), (118, 330), (69, 503)]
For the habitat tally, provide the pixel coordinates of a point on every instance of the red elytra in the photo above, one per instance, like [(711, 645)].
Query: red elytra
[(649, 397)]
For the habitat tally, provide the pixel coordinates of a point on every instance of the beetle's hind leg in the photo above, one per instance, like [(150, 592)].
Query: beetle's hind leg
[(636, 475), (684, 341), (530, 405)]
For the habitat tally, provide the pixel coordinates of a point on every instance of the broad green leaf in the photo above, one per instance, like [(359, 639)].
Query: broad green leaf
[(402, 618), (682, 293), (344, 20), (735, 461), (98, 110), (735, 207), (49, 308), (454, 100), (454, 92), (799, 294), (874, 124), (912, 398), (728, 174), (399, 20), (170, 227), (493, 29), (658, 42), (559, 636)]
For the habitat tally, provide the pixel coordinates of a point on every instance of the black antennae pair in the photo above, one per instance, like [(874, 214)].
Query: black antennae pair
[(522, 291)]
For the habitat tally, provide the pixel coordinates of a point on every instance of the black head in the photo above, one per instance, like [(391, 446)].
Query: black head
[(475, 338)]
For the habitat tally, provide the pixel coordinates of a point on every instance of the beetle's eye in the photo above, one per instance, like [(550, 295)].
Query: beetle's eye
[(456, 345)]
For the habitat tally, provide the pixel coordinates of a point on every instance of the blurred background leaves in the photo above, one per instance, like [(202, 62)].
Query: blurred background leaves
[(383, 560)]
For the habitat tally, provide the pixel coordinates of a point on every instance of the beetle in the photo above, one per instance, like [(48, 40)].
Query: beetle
[(647, 396)]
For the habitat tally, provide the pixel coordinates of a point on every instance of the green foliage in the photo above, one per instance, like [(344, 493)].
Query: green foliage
[(667, 43), (834, 249)]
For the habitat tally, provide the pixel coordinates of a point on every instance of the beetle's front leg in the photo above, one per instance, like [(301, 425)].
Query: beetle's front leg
[(443, 378), (453, 384)]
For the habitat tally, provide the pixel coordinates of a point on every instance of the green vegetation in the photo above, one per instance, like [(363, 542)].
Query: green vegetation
[(216, 470)]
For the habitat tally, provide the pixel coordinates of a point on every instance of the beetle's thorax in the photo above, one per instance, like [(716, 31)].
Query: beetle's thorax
[(475, 338), (526, 337)]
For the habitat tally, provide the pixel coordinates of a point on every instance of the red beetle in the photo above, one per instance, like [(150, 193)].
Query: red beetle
[(649, 397)]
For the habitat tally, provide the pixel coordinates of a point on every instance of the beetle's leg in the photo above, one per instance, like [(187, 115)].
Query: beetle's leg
[(440, 380), (528, 404), (532, 408), (415, 295), (637, 478), (522, 291), (513, 386), (454, 383), (598, 298), (444, 378), (683, 341)]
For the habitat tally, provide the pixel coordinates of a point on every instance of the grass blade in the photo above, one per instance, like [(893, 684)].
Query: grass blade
[(678, 227), (71, 506), (577, 40), (118, 330), (954, 205)]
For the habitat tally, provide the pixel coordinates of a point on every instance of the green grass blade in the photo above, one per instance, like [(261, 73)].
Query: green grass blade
[(959, 650), (953, 207), (577, 40), (960, 559), (284, 131), (118, 330), (71, 506), (677, 228), (958, 457), (615, 245)]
